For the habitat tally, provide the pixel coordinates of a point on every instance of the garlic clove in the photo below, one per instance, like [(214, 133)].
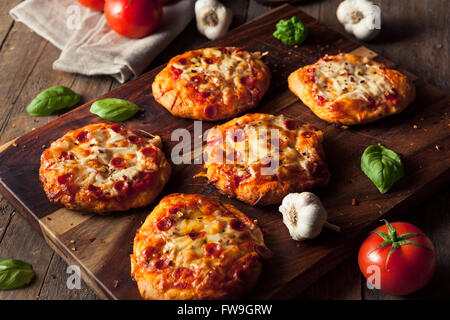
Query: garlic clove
[(360, 18), (303, 215), (213, 18)]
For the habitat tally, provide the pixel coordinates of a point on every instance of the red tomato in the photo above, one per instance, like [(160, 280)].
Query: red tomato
[(93, 4), (133, 18), (403, 254)]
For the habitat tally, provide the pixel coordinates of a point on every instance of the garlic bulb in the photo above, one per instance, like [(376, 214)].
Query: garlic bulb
[(213, 18), (360, 17), (304, 215)]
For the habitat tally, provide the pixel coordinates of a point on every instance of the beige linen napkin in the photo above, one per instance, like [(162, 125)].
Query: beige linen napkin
[(89, 46)]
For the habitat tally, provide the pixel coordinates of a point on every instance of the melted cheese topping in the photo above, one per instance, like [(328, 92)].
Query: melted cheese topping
[(336, 79), (266, 142), (194, 227), (217, 65), (91, 162)]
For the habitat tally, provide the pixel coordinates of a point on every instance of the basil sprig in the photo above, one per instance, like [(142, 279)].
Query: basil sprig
[(114, 109), (51, 100), (383, 166), (14, 274), (291, 31)]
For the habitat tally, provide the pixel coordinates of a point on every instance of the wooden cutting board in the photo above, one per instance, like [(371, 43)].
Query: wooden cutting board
[(101, 245)]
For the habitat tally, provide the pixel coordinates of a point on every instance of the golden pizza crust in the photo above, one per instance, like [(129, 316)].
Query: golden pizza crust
[(173, 263), (95, 198), (302, 164), (350, 110), (189, 96)]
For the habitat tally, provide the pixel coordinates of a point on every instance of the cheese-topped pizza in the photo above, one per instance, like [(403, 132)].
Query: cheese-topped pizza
[(103, 168), (348, 89), (212, 83), (260, 158), (195, 247)]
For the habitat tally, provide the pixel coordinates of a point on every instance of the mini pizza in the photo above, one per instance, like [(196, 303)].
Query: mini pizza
[(347, 89), (104, 168), (260, 158), (212, 83), (194, 247)]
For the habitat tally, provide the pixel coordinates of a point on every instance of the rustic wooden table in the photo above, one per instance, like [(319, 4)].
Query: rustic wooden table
[(415, 35)]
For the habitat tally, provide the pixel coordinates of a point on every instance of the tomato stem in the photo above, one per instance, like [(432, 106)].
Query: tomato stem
[(395, 241)]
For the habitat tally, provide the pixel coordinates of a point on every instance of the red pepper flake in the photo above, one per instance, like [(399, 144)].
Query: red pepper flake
[(183, 61), (354, 202)]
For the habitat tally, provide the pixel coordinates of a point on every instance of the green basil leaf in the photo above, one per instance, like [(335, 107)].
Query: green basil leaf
[(291, 31), (114, 109), (383, 166), (51, 100), (14, 274)]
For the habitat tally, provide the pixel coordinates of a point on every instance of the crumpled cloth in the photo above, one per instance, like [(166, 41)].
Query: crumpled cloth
[(88, 44)]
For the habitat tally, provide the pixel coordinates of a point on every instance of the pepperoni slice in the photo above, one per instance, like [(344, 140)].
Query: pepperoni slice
[(83, 137), (176, 72), (211, 111), (65, 178), (308, 134), (198, 79), (162, 264), (196, 235), (148, 253), (177, 208), (150, 153), (95, 190), (320, 100), (145, 179), (237, 225), (183, 61), (118, 129), (164, 224), (209, 60), (118, 162), (291, 124), (135, 140), (213, 249), (121, 186), (66, 155)]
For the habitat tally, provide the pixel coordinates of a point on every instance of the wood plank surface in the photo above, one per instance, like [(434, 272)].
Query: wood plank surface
[(433, 41)]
